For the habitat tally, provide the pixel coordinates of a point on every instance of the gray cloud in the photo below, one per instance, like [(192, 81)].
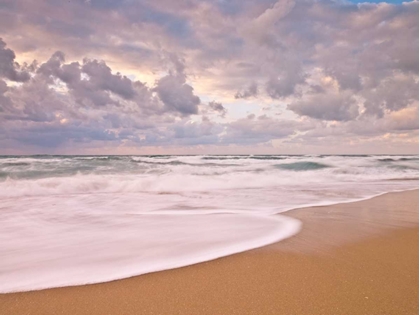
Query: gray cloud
[(98, 84), (5, 102), (100, 76), (251, 90), (282, 86), (391, 94), (175, 93), (10, 69), (218, 108), (341, 107), (250, 131)]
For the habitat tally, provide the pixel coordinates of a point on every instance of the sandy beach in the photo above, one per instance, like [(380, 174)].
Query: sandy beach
[(209, 157), (354, 258)]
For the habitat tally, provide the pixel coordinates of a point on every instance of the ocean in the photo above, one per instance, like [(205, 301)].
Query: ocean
[(71, 220)]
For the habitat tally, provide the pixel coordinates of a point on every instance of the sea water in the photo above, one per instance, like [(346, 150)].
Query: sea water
[(70, 220)]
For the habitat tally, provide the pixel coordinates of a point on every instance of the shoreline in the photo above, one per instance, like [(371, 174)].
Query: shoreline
[(293, 228), (348, 216), (328, 204), (327, 235)]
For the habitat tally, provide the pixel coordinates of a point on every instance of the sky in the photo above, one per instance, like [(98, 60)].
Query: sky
[(209, 77)]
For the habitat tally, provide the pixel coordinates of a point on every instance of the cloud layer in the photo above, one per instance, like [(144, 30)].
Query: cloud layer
[(295, 76)]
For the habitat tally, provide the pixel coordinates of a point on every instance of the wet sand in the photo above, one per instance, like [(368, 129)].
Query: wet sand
[(355, 258)]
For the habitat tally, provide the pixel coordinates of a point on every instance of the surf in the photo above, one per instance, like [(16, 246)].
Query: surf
[(70, 220)]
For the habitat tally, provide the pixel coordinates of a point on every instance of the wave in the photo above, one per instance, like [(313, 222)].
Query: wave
[(251, 157), (387, 160), (347, 155), (15, 164), (408, 159), (398, 159), (403, 167), (101, 158), (177, 163), (302, 166)]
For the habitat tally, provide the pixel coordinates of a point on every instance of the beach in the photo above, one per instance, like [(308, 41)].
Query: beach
[(351, 258), (206, 157)]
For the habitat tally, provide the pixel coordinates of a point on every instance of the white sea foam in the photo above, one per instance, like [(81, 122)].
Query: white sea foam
[(68, 247), (76, 220)]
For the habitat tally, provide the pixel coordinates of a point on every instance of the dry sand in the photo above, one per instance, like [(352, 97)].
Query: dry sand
[(356, 258)]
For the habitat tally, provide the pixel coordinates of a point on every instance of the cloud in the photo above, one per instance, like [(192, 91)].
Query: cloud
[(218, 108), (391, 94), (175, 93), (251, 90), (283, 85), (101, 77), (97, 86), (250, 131), (10, 69), (5, 102), (339, 107), (261, 28)]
